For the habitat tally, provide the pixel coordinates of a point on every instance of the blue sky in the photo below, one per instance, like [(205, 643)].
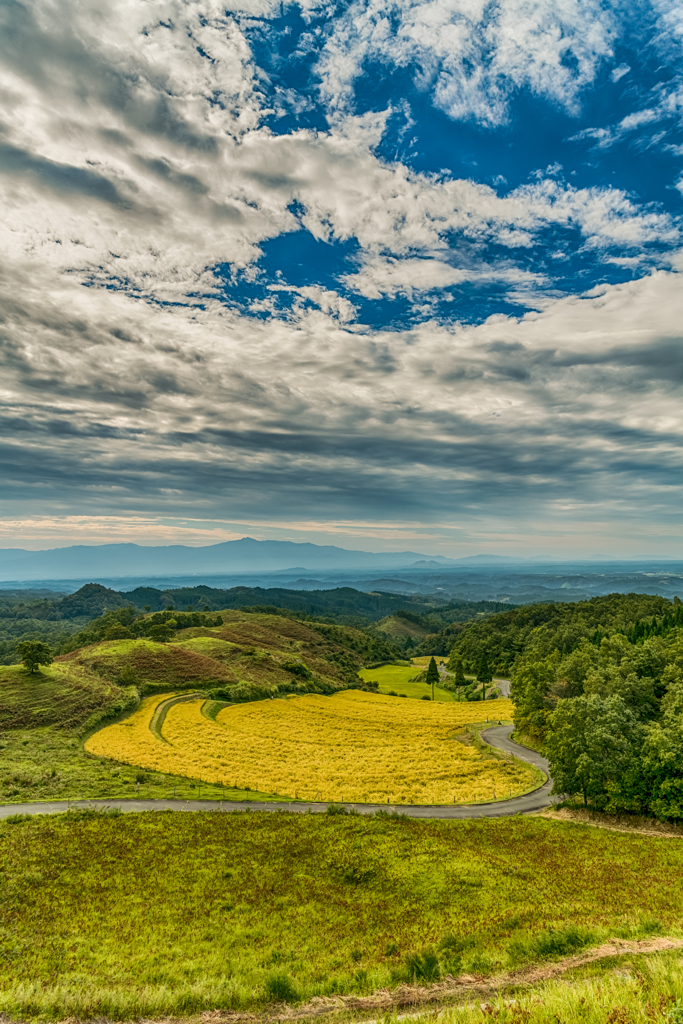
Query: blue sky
[(377, 273)]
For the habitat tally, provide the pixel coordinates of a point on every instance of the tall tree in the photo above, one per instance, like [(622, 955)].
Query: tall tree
[(484, 674), (459, 673), (432, 675)]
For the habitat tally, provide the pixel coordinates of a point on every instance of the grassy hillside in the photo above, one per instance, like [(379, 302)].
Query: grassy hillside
[(55, 619), (157, 915), (249, 655), (148, 665), (399, 628), (62, 694), (45, 716)]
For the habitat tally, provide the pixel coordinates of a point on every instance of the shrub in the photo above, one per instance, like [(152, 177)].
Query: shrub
[(280, 988), (297, 668), (423, 966)]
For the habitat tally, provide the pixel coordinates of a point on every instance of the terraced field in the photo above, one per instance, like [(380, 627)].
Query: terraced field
[(353, 746)]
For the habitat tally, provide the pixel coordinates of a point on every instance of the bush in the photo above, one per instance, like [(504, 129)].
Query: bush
[(297, 668), (280, 988), (423, 966)]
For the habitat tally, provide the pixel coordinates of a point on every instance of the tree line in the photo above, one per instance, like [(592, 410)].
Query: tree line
[(598, 686)]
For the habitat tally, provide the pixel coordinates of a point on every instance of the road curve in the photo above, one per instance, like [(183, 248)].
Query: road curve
[(497, 736)]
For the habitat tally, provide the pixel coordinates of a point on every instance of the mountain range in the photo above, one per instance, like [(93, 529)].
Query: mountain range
[(234, 556)]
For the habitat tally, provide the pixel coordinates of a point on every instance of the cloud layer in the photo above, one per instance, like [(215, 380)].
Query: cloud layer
[(460, 345)]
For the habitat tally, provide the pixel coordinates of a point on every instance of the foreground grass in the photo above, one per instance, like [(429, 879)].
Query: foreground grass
[(49, 764), (625, 990), (170, 914)]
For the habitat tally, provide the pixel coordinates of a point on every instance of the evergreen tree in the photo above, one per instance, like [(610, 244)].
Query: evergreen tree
[(432, 675), (459, 674)]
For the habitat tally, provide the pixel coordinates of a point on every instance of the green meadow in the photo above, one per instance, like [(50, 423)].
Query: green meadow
[(163, 913), (397, 679)]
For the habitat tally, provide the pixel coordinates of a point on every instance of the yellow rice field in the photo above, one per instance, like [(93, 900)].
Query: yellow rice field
[(354, 746)]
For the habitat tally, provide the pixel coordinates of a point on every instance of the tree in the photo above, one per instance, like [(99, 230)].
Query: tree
[(531, 682), (159, 632), (34, 653), (484, 674), (662, 761), (459, 674), (119, 632), (432, 675), (593, 746)]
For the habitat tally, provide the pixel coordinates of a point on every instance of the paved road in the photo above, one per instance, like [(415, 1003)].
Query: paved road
[(503, 685), (497, 736)]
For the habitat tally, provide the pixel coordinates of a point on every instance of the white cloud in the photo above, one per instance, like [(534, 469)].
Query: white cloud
[(114, 404), (618, 73), (471, 54), (132, 156), (136, 161), (382, 276)]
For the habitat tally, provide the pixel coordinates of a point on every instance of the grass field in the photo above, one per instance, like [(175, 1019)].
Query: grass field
[(353, 746), (397, 679), (60, 694), (624, 989), (168, 914)]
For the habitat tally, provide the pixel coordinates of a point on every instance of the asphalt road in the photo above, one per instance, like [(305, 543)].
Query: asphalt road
[(497, 736)]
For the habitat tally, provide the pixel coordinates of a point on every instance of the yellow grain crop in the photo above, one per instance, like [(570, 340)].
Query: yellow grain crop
[(353, 746)]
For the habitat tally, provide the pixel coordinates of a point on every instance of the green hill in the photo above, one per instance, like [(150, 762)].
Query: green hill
[(45, 716), (60, 694), (399, 628)]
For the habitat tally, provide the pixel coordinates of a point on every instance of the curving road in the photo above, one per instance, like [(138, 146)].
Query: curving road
[(497, 736)]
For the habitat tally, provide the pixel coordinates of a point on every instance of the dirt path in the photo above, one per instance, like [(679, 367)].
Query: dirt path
[(497, 736), (450, 993)]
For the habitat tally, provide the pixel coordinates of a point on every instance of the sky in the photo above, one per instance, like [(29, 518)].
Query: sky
[(380, 274)]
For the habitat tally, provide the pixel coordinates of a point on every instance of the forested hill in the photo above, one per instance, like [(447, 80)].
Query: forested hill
[(55, 620), (540, 629), (598, 685)]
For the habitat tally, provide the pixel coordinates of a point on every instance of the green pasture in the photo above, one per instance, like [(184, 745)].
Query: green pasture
[(168, 914), (397, 678)]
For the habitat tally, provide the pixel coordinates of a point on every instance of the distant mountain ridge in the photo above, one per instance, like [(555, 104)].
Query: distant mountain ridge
[(242, 555)]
